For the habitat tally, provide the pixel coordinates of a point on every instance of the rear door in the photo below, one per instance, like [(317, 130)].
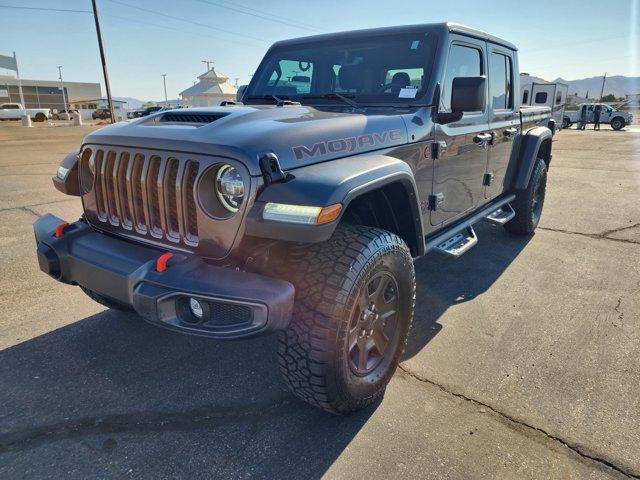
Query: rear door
[(504, 119), (457, 179)]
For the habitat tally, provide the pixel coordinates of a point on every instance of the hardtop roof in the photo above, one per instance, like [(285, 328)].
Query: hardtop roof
[(442, 27)]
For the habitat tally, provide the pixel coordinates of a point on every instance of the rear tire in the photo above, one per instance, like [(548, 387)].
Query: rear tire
[(355, 295), (40, 117), (618, 123), (106, 301), (529, 202)]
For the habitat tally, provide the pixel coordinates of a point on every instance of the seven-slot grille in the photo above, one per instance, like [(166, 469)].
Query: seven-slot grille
[(149, 193)]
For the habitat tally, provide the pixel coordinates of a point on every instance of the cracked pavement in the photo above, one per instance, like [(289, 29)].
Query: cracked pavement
[(522, 361)]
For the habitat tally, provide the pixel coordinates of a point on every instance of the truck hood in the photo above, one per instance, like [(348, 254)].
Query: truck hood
[(298, 135)]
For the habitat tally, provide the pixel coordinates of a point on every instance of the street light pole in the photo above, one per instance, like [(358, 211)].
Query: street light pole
[(164, 80), (64, 98), (104, 61)]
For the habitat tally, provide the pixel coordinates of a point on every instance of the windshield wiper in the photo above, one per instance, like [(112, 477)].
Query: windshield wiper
[(333, 95), (279, 101)]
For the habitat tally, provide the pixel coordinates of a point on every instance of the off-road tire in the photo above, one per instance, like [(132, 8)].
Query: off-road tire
[(40, 117), (106, 301), (329, 278), (528, 210), (618, 123)]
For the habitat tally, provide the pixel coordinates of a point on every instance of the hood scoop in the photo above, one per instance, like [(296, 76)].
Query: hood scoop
[(189, 118)]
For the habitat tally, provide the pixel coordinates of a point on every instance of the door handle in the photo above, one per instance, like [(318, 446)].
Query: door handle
[(510, 132), (483, 139)]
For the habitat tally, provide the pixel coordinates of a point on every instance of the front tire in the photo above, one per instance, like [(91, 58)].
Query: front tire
[(618, 123), (355, 295), (529, 202)]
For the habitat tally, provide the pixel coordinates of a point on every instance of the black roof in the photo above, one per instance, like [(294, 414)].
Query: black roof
[(442, 27)]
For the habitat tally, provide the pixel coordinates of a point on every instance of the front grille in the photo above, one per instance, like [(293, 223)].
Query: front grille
[(144, 193)]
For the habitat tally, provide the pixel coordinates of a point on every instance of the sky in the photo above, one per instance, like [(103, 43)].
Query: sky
[(146, 38)]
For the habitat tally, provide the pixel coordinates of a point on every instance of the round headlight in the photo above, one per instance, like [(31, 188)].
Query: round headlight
[(229, 187)]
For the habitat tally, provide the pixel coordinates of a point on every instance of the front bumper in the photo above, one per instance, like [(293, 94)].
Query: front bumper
[(236, 304)]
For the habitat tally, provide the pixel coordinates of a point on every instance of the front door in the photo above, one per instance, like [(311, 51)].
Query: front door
[(504, 120), (458, 172)]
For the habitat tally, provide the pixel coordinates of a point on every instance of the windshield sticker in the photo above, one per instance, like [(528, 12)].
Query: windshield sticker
[(408, 92), (346, 145), (415, 44)]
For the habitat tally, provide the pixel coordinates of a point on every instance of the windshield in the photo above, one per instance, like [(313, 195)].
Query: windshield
[(378, 70)]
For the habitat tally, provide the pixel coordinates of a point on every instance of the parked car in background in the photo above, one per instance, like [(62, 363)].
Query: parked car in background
[(101, 113), (616, 118), (15, 111), (150, 110), (60, 115)]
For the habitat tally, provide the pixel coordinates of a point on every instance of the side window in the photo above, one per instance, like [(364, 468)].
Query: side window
[(501, 81), (463, 62), (558, 98), (525, 97), (541, 97)]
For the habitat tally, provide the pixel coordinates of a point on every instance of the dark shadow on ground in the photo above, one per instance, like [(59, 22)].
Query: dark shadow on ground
[(443, 281), (113, 396)]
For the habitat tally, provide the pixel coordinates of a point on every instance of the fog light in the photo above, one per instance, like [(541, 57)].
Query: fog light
[(195, 307)]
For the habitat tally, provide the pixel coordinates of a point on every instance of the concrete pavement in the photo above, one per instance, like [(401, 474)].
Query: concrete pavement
[(522, 363)]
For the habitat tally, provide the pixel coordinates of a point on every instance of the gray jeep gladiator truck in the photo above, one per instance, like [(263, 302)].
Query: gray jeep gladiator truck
[(302, 209)]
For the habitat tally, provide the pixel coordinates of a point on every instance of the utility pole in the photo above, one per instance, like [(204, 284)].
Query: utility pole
[(64, 98), (104, 62), (164, 80), (604, 79), (236, 84), (208, 62)]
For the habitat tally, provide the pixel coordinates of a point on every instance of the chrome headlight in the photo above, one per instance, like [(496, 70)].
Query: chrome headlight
[(229, 188)]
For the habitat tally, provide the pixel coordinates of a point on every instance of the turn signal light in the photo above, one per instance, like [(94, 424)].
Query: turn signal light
[(305, 214)]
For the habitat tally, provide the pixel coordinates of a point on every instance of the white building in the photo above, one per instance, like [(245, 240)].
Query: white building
[(45, 93), (213, 88)]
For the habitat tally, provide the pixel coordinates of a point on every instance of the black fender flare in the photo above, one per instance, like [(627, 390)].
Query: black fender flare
[(328, 183), (530, 145)]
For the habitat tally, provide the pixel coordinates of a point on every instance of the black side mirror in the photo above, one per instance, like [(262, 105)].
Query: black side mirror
[(468, 94), (240, 92)]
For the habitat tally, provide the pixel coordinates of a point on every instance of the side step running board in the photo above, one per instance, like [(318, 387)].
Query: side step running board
[(459, 244), (501, 215), (459, 238)]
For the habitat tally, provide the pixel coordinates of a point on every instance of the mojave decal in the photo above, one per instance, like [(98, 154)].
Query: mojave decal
[(346, 145)]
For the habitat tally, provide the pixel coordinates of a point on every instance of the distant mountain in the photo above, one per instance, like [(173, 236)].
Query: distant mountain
[(132, 103), (619, 85)]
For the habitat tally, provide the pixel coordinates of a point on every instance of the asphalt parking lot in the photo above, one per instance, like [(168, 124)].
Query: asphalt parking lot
[(523, 361)]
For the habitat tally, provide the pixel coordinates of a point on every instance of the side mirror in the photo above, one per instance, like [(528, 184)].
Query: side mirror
[(240, 93), (468, 94)]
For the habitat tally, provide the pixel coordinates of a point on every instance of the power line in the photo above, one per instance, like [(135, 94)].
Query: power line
[(46, 9), (204, 25), (280, 17), (182, 31), (259, 15)]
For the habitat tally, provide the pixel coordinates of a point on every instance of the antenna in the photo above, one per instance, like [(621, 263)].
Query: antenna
[(208, 62)]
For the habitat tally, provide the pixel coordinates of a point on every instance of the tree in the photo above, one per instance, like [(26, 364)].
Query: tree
[(609, 98)]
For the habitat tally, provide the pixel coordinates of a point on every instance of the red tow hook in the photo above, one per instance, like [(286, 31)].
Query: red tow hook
[(60, 229), (161, 262)]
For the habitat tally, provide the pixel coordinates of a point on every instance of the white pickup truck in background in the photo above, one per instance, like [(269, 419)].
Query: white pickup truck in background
[(15, 111), (616, 118)]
